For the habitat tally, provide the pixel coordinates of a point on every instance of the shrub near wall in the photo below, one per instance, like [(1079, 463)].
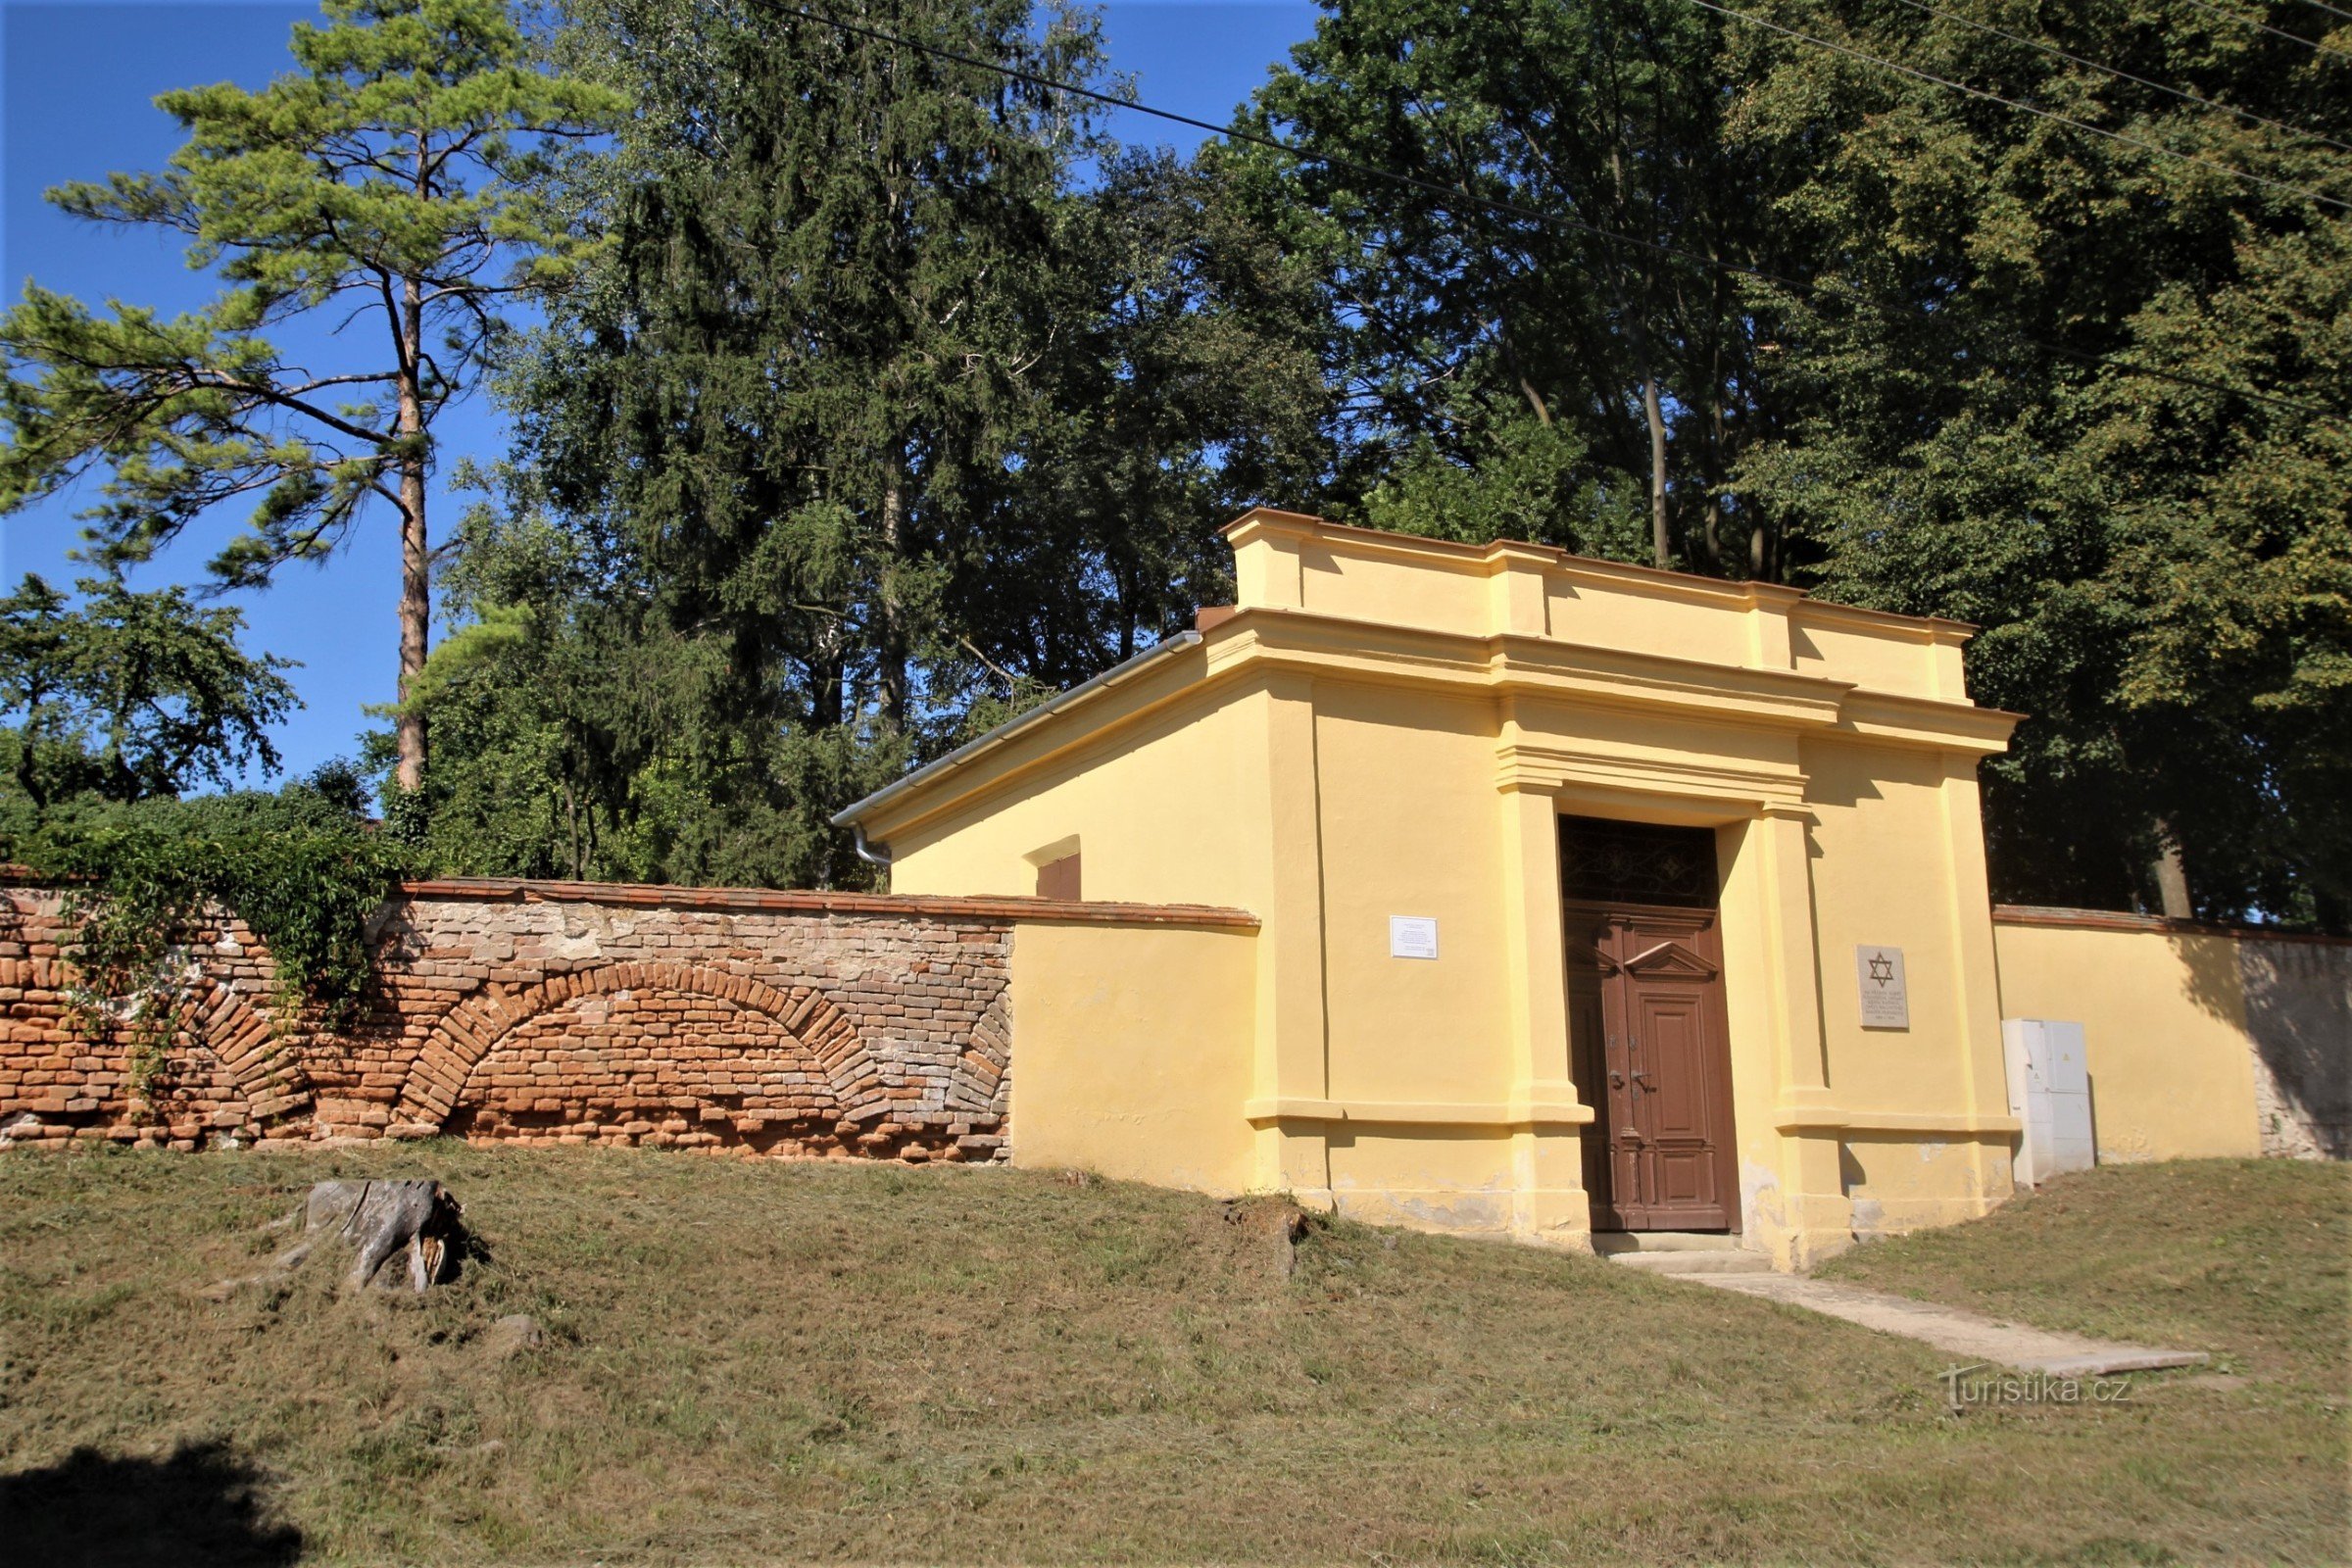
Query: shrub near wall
[(784, 1023)]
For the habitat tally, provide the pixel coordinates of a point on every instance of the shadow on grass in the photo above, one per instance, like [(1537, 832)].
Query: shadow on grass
[(200, 1506)]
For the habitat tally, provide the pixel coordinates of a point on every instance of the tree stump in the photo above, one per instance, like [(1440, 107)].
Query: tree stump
[(378, 1221), (381, 1221)]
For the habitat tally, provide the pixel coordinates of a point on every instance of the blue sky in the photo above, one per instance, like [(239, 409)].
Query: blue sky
[(76, 85)]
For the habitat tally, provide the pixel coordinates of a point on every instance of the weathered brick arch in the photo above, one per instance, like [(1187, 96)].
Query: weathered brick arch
[(468, 1032), (265, 1065), (981, 1081)]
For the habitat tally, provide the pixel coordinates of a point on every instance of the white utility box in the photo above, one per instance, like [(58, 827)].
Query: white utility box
[(2049, 1090)]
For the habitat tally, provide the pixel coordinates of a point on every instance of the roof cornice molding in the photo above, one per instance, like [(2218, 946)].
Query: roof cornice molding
[(1256, 644), (1271, 523)]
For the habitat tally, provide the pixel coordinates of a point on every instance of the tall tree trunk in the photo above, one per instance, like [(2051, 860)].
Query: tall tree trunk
[(890, 655), (416, 554), (825, 683), (1715, 482), (1636, 315), (2172, 874), (572, 823), (1659, 546)]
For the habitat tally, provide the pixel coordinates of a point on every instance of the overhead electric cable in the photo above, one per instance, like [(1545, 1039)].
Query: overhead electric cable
[(2243, 20), (2019, 104), (2125, 75), (1454, 193), (2323, 5)]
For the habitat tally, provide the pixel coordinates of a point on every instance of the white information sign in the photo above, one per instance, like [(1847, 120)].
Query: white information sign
[(1412, 935), (1885, 1001)]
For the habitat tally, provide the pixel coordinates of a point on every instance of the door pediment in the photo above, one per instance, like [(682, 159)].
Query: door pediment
[(1669, 961)]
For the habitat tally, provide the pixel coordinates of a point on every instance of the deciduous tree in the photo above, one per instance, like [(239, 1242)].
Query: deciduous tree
[(130, 695)]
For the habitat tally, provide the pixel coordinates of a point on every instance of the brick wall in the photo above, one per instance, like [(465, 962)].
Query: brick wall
[(784, 1023)]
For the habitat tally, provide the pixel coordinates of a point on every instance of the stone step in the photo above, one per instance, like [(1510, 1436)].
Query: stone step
[(1611, 1243), (1718, 1261)]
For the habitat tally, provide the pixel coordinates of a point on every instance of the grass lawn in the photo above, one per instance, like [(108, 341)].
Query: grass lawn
[(749, 1362)]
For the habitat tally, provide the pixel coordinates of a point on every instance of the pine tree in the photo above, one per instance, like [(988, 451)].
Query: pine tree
[(392, 179)]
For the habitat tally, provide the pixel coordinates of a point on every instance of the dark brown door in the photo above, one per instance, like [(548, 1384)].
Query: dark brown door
[(1649, 1039)]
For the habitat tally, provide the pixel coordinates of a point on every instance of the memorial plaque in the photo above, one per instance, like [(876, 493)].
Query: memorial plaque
[(1885, 1001), (1412, 935)]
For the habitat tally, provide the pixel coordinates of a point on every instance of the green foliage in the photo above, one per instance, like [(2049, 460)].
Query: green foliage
[(887, 396), (1918, 421), (580, 737), (1522, 479), (122, 702), (1184, 383), (1449, 323), (146, 881), (396, 175), (2164, 571), (873, 422), (130, 695)]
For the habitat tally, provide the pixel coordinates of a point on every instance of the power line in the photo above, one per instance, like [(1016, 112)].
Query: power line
[(2125, 75), (1235, 134), (1459, 194), (2312, 44), (2020, 105), (2331, 10)]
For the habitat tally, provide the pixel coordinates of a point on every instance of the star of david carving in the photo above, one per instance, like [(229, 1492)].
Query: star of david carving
[(1881, 969)]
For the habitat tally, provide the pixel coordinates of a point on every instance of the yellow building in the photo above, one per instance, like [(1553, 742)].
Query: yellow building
[(1589, 896)]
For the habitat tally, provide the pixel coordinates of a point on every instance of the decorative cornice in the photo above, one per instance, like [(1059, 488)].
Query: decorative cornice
[(1926, 722), (1347, 538), (1554, 768), (784, 901), (1419, 1112), (1257, 641), (1516, 665), (1789, 1118)]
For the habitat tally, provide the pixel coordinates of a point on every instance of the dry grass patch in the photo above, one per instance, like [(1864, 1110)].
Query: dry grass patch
[(754, 1362)]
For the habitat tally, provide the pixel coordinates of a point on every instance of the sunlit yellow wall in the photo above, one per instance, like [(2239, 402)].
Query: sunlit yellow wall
[(1132, 1052), (1634, 611), (2164, 1029), (1391, 727), (1902, 1181), (1863, 654), (1437, 1177), (1441, 592), (1880, 876), (1301, 562), (1408, 827), (1159, 810)]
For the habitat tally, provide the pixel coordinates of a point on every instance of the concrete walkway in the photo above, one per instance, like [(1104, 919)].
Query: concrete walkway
[(1970, 1336)]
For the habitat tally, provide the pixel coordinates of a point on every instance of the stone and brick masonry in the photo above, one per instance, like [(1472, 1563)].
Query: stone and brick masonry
[(777, 1024)]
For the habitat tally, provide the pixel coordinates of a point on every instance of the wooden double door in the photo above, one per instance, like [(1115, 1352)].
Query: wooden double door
[(1649, 1040)]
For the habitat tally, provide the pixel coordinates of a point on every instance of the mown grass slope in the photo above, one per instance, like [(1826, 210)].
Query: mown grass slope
[(754, 1362)]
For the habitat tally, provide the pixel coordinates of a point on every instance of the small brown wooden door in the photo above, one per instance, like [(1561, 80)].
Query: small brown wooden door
[(1650, 1043)]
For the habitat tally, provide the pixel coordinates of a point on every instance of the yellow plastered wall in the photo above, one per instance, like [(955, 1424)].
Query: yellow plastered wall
[(1410, 827), (1864, 656), (1158, 813), (1903, 1181), (1879, 877), (1379, 732), (1617, 613), (1758, 990), (1132, 1047), (1436, 1177), (2164, 1031)]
